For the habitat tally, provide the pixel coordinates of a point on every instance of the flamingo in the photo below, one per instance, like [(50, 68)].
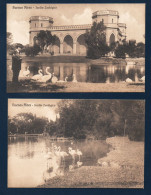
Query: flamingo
[(79, 164), (61, 153), (79, 153), (54, 78), (47, 77), (48, 156), (74, 79), (72, 152), (26, 72), (37, 76), (128, 80), (62, 81), (71, 167)]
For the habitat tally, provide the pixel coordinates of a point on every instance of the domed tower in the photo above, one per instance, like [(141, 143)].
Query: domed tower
[(38, 23), (110, 18)]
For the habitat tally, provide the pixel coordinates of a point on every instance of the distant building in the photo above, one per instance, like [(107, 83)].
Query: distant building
[(70, 39)]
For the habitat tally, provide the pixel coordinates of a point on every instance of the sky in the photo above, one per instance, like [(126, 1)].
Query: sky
[(47, 109), (67, 14)]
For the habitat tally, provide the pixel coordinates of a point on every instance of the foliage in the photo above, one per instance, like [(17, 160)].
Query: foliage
[(140, 50), (32, 51), (26, 123), (45, 38), (87, 118), (96, 41), (120, 51), (132, 49), (9, 39), (101, 118)]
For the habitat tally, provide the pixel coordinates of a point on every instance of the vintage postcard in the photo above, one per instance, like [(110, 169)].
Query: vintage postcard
[(75, 48), (66, 143)]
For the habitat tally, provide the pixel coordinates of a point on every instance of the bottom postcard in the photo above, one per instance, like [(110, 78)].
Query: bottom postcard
[(74, 143)]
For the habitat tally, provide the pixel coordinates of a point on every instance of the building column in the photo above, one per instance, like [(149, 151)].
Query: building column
[(74, 47), (61, 73), (61, 47)]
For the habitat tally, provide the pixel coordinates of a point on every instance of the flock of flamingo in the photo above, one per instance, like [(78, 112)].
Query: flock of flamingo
[(40, 77), (56, 160), (56, 152)]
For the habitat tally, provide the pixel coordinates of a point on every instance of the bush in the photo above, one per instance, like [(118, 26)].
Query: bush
[(32, 51), (120, 51)]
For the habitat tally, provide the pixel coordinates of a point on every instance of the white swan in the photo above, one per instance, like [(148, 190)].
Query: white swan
[(47, 77), (128, 80), (37, 76), (62, 81), (26, 72), (142, 79), (54, 78), (74, 78)]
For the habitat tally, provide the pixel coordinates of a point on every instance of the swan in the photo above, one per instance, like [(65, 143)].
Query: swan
[(48, 155), (47, 77), (74, 78), (62, 81), (26, 72), (37, 76), (128, 80), (142, 79), (54, 78)]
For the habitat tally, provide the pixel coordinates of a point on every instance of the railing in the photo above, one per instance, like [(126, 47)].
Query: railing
[(121, 25), (70, 27), (40, 18), (105, 12)]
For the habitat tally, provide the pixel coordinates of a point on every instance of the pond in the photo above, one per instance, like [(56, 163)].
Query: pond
[(85, 73), (34, 160)]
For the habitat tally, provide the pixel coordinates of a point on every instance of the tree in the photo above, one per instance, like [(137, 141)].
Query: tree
[(27, 122), (140, 49), (120, 51), (9, 39), (32, 51), (96, 41), (45, 38), (101, 118)]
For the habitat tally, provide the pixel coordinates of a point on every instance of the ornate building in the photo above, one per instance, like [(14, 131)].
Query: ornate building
[(70, 38)]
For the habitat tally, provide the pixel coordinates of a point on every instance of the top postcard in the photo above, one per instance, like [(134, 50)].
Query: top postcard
[(75, 48)]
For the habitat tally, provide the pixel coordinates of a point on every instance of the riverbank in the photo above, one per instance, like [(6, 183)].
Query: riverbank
[(123, 167), (79, 59), (34, 87), (27, 86)]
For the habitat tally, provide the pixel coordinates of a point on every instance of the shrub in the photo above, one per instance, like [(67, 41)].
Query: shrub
[(32, 51)]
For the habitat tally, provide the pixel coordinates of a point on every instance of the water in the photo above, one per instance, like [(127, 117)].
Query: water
[(34, 160), (88, 73)]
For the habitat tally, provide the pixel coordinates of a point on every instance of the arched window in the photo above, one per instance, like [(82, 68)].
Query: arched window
[(68, 44), (35, 24), (112, 38), (41, 24), (112, 20)]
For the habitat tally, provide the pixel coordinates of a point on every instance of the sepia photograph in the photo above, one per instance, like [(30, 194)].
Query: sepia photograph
[(75, 143), (75, 48)]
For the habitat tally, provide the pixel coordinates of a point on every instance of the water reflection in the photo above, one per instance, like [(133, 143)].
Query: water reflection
[(34, 160), (88, 73)]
